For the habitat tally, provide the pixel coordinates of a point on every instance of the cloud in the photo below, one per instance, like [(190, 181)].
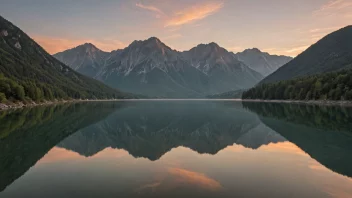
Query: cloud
[(174, 36), (195, 178), (152, 9), (324, 30), (334, 7), (54, 44), (298, 49), (194, 13)]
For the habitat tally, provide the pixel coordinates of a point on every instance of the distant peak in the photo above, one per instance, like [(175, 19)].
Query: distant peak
[(89, 45), (213, 44), (253, 50), (154, 39)]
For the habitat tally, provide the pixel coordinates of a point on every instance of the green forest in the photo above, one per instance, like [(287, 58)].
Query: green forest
[(28, 73), (328, 86)]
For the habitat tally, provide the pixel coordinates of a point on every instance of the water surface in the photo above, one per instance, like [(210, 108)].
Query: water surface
[(176, 149)]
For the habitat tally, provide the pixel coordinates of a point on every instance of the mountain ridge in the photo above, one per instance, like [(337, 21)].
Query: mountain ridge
[(263, 62), (150, 67)]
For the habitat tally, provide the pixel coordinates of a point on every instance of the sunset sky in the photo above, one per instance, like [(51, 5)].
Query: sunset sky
[(284, 27)]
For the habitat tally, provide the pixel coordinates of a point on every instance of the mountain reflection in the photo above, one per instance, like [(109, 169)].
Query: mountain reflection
[(322, 132), (26, 135), (150, 129)]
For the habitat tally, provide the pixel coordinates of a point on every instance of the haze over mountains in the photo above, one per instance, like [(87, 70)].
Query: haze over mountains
[(151, 68), (262, 62)]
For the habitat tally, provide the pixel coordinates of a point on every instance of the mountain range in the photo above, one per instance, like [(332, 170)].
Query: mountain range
[(28, 72), (152, 68)]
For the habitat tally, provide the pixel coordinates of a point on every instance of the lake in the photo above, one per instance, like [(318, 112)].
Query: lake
[(176, 149)]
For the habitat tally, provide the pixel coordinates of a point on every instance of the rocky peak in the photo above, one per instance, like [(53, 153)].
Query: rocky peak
[(253, 50)]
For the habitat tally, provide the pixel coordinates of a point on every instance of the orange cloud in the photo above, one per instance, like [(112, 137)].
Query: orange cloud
[(195, 178), (173, 36), (194, 13), (336, 5), (54, 45), (151, 8)]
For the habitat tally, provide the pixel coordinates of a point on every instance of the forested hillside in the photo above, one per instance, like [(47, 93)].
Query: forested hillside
[(328, 86), (331, 53), (237, 94), (29, 73)]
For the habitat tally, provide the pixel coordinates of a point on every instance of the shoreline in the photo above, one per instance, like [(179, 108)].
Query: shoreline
[(20, 105), (308, 102)]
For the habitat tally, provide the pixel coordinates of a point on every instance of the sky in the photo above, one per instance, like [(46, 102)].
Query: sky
[(284, 27)]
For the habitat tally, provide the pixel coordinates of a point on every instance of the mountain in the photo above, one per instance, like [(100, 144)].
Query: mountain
[(331, 53), (28, 72), (151, 68), (224, 71), (85, 59), (262, 62)]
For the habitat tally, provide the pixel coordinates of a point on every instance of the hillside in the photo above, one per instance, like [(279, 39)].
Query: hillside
[(28, 72), (332, 53), (328, 86), (228, 95)]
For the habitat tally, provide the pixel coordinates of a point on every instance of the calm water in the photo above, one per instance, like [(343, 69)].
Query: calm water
[(176, 149)]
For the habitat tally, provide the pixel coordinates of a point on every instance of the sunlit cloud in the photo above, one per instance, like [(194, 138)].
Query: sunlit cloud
[(195, 178), (335, 5), (323, 30), (174, 36), (151, 8), (54, 45), (194, 13), (335, 8), (298, 49)]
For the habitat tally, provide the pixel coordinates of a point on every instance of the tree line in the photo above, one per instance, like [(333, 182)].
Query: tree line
[(327, 86), (32, 90)]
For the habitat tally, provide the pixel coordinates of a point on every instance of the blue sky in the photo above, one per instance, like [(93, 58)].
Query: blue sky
[(276, 26)]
